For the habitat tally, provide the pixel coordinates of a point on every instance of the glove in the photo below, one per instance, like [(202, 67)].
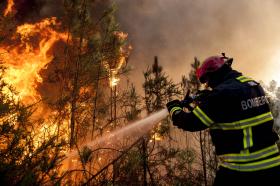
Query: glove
[(187, 101), (201, 95), (174, 107)]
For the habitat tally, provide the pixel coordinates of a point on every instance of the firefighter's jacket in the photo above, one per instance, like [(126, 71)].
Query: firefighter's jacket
[(240, 122)]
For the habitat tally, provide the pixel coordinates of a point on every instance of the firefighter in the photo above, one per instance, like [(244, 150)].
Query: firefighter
[(240, 122)]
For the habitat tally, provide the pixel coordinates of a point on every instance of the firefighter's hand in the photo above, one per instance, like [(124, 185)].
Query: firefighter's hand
[(187, 100), (174, 107), (202, 94)]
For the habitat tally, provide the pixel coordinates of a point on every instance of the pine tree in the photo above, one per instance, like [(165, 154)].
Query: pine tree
[(166, 162), (80, 76), (80, 73), (158, 89), (131, 103), (78, 79), (207, 154)]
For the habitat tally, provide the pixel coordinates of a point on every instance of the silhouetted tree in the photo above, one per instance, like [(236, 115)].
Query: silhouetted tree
[(207, 151)]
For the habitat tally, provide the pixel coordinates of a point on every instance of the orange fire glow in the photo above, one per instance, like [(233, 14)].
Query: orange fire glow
[(24, 57), (24, 60), (156, 137), (113, 70), (9, 8)]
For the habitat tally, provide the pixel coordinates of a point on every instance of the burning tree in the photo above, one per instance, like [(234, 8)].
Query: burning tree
[(63, 66), (65, 71), (23, 159)]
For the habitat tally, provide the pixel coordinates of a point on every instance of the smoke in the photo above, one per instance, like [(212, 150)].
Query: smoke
[(55, 8), (177, 31), (34, 10), (51, 8)]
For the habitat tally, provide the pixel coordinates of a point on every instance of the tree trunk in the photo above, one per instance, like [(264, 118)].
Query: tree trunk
[(73, 110), (95, 100), (144, 155), (203, 156)]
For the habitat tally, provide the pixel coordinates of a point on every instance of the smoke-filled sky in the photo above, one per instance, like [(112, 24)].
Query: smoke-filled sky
[(178, 30)]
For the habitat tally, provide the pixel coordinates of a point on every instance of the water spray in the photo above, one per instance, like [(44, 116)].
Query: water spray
[(136, 129), (140, 127)]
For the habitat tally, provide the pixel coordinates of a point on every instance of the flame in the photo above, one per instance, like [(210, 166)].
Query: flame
[(24, 61), (114, 81), (9, 8), (124, 53), (121, 35), (49, 129), (157, 137), (29, 53)]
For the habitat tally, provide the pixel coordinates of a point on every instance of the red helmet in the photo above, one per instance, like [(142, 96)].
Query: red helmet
[(210, 64)]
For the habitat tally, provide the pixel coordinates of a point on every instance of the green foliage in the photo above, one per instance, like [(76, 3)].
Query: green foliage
[(131, 103), (158, 88), (129, 168), (86, 154), (191, 82), (167, 165), (164, 127), (182, 172)]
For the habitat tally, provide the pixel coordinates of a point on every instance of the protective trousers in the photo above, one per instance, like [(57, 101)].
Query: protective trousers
[(227, 177)]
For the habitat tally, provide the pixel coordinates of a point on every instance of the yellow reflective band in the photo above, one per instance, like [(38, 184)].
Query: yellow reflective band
[(241, 124), (174, 109), (202, 116), (255, 166), (243, 79), (247, 139), (250, 156)]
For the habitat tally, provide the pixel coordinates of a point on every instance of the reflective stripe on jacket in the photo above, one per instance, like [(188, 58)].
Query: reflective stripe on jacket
[(240, 122)]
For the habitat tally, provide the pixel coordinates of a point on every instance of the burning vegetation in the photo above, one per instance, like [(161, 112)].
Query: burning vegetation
[(9, 8), (27, 53), (65, 111), (50, 68), (64, 117)]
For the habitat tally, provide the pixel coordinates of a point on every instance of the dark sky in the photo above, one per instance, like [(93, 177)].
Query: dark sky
[(178, 30)]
